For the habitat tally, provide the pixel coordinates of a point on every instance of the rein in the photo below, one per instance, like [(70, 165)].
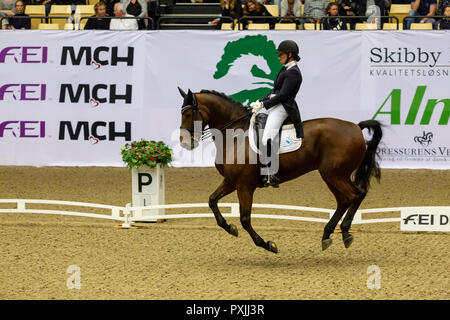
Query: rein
[(208, 134)]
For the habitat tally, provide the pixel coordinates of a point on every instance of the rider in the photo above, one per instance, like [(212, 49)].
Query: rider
[(280, 104)]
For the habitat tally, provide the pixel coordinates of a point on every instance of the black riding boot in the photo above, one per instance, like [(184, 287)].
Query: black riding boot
[(267, 178)]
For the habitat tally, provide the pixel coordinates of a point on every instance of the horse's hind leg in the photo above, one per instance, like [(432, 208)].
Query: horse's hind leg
[(344, 194), (346, 224), (245, 195), (224, 189)]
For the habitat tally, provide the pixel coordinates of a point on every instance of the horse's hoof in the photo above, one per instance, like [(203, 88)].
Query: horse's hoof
[(233, 230), (326, 243), (272, 247), (348, 239)]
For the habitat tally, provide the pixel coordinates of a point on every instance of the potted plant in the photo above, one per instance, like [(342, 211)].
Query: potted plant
[(147, 160), (146, 153)]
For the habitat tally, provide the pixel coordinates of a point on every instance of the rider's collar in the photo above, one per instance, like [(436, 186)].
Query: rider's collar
[(290, 64)]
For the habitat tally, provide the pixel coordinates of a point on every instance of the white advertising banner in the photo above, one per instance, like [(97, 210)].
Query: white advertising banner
[(407, 87), (74, 98), (425, 219)]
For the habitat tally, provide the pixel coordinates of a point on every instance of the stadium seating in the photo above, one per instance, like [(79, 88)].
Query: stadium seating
[(83, 11), (227, 26), (49, 26), (60, 11), (273, 9), (392, 26), (285, 26), (35, 11), (258, 26), (310, 26), (421, 26), (366, 26), (400, 11)]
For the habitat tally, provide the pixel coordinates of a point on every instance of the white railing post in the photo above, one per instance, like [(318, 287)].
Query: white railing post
[(235, 209), (21, 205)]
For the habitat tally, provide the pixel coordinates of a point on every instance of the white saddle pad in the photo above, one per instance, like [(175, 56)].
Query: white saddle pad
[(288, 140)]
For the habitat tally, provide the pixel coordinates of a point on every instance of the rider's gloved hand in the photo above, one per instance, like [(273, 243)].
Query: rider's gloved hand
[(256, 106)]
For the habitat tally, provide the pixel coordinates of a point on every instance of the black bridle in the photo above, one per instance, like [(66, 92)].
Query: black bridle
[(206, 133), (195, 112)]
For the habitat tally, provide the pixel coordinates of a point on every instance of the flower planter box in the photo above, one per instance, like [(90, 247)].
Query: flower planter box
[(148, 190)]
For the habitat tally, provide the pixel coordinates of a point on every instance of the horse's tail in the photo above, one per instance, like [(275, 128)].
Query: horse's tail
[(369, 166)]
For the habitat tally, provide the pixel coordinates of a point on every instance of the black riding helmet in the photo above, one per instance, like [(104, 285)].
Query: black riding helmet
[(289, 46)]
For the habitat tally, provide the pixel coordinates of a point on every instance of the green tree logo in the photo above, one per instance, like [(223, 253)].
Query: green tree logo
[(258, 46)]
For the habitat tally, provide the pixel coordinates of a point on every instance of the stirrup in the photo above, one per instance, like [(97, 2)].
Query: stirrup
[(271, 180)]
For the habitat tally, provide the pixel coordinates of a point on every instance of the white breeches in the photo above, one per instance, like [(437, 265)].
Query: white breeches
[(276, 117)]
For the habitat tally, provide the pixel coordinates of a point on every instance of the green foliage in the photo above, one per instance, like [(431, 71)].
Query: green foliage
[(149, 153)]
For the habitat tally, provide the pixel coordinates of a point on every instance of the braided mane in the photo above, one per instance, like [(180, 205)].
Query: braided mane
[(223, 96)]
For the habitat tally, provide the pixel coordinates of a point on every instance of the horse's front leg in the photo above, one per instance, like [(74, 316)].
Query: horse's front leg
[(245, 195), (224, 189)]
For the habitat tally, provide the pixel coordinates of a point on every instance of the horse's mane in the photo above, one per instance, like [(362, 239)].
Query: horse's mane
[(223, 96)]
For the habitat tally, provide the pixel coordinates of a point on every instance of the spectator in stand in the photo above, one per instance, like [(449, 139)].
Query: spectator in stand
[(98, 21), (230, 8), (137, 8), (315, 10), (6, 9), (290, 8), (350, 8), (444, 24), (441, 10), (110, 7), (19, 23), (422, 8), (331, 23), (122, 24), (254, 9), (373, 10)]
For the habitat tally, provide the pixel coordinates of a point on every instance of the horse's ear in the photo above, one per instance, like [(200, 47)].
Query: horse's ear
[(183, 94)]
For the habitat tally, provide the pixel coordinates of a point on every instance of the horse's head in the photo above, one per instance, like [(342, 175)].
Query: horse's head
[(192, 121)]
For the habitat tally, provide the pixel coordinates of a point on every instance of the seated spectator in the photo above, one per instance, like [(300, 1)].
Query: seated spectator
[(98, 21), (444, 24), (137, 8), (314, 10), (422, 8), (290, 8), (6, 8), (19, 23), (332, 10), (442, 4), (373, 10), (110, 7), (122, 24), (230, 8), (349, 8), (253, 8)]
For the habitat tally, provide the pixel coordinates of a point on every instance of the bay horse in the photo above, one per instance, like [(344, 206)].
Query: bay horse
[(336, 148)]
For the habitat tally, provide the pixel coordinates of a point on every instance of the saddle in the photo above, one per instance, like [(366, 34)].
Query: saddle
[(288, 139)]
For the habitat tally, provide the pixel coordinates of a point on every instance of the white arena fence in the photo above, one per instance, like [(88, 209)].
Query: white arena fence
[(128, 214)]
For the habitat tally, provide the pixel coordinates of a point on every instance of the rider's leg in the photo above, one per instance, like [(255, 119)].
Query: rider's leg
[(270, 141)]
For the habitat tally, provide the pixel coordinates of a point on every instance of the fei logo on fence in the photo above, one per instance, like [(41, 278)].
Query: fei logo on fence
[(22, 129), (23, 91), (425, 219), (24, 54)]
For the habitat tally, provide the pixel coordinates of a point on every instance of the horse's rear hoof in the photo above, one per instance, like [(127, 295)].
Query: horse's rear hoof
[(272, 247), (326, 243), (348, 239), (233, 230)]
